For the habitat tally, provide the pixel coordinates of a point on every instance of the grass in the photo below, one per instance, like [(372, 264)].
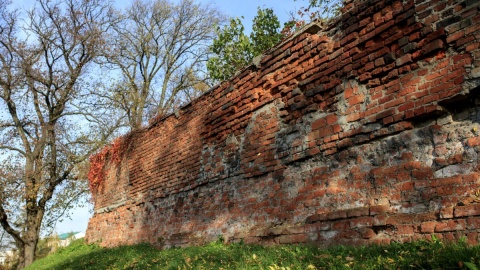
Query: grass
[(418, 255)]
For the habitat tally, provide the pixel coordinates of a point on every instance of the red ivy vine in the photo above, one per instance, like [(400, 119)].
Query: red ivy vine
[(112, 154)]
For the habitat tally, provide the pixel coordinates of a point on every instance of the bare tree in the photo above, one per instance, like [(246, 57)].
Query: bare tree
[(159, 48), (45, 126)]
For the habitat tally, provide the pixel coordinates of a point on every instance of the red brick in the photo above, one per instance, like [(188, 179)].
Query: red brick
[(356, 99), (367, 233), (407, 58), (432, 46), (474, 141), (473, 223), (451, 225), (467, 210), (379, 209), (292, 238), (405, 229), (331, 119), (349, 92), (428, 227), (357, 212), (320, 123), (472, 47), (455, 36), (406, 106)]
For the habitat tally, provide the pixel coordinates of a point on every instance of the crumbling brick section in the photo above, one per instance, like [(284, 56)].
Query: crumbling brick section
[(364, 130)]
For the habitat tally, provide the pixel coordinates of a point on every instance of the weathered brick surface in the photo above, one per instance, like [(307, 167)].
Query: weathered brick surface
[(362, 131)]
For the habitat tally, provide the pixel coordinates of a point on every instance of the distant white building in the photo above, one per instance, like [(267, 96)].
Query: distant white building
[(62, 240), (66, 238)]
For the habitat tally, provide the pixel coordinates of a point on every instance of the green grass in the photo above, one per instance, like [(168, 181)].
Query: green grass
[(417, 255)]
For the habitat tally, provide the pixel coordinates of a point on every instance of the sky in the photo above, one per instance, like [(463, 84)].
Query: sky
[(232, 8), (248, 8)]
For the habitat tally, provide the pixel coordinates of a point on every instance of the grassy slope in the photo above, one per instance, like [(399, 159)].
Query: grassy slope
[(418, 255)]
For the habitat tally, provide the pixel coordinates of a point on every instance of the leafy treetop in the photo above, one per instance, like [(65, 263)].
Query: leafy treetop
[(232, 49)]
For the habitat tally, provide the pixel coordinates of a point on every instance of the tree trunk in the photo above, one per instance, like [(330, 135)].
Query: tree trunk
[(29, 253), (21, 256), (26, 252), (26, 255)]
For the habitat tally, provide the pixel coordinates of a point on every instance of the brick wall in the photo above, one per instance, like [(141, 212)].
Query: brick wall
[(363, 130)]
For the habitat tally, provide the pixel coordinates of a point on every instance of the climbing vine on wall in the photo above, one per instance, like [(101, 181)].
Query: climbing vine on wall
[(112, 153)]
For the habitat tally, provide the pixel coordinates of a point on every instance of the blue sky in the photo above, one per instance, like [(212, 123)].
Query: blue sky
[(232, 8), (248, 8)]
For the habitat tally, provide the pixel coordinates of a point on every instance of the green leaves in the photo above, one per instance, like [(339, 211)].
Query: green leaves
[(470, 266), (233, 49), (265, 31)]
